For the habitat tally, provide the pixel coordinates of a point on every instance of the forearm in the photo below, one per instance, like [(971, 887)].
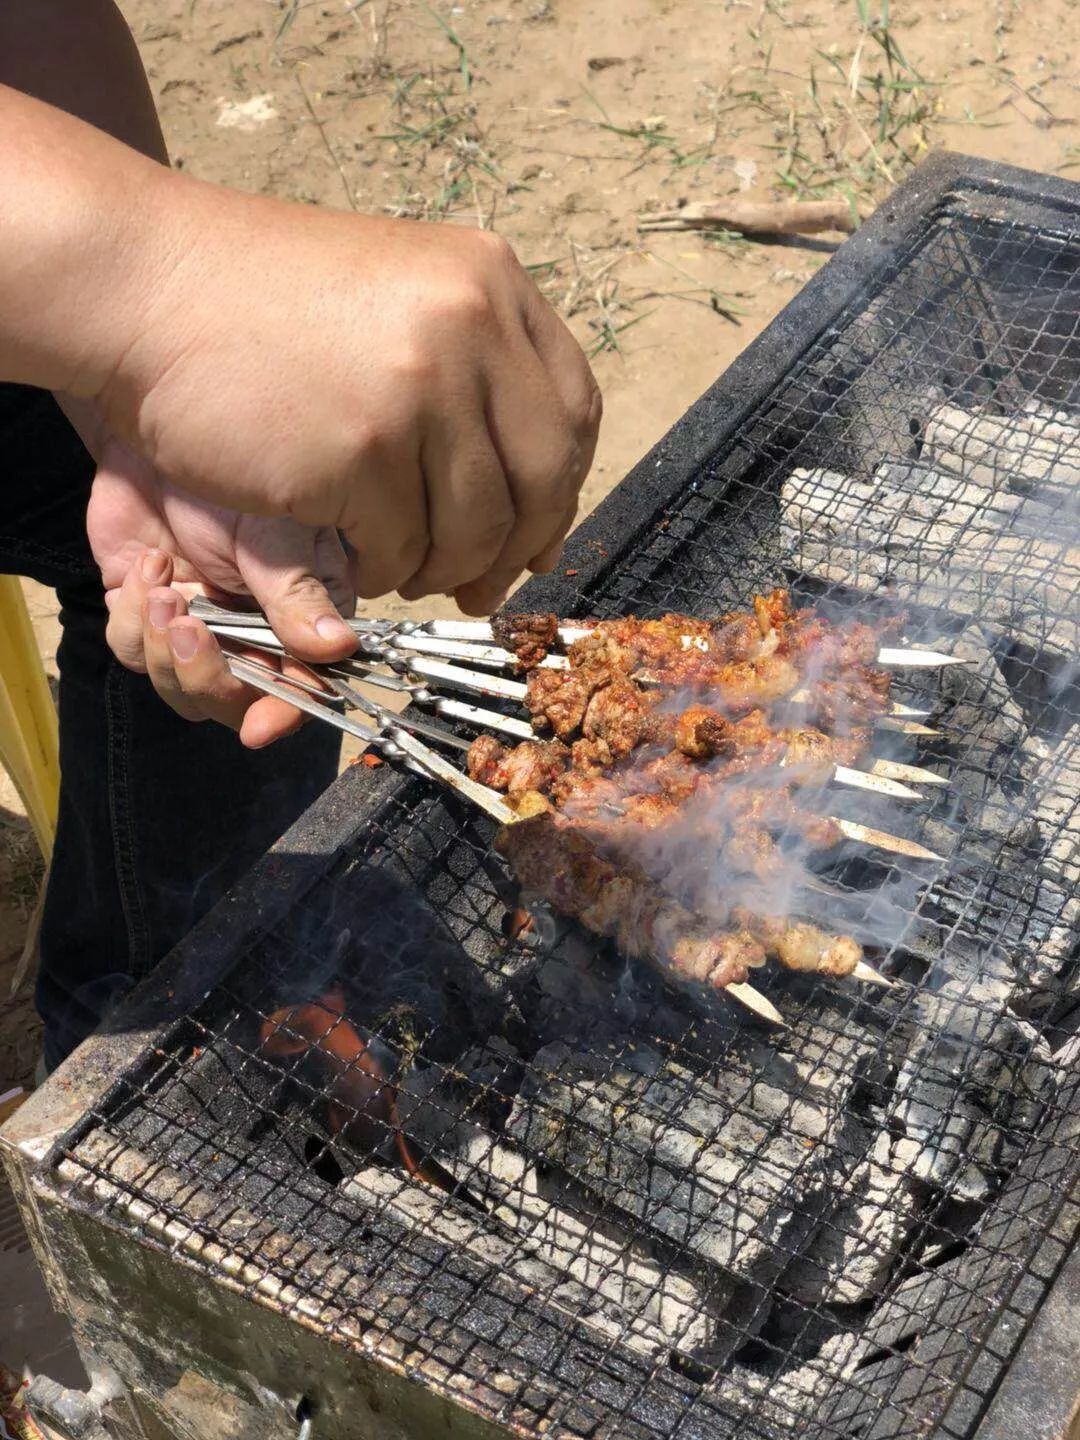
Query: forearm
[(79, 55), (81, 235)]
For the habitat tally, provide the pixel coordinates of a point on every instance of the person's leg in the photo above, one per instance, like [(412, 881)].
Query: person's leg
[(158, 817)]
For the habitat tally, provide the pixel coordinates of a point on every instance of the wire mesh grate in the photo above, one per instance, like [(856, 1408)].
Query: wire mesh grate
[(532, 1174)]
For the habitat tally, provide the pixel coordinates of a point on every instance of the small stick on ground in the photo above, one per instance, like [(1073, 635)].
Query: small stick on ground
[(753, 217)]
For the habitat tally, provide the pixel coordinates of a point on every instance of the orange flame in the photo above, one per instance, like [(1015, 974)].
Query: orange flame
[(361, 1089)]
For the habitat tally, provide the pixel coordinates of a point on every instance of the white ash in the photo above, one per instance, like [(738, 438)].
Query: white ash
[(974, 1082), (868, 533), (513, 1254), (986, 777), (873, 1206), (1052, 772), (1052, 778), (557, 1223), (1033, 452), (730, 1171), (566, 1229)]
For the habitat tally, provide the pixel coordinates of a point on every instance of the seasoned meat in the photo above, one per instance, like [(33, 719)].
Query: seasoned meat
[(532, 765), (617, 715), (557, 699), (701, 732), (484, 762), (529, 636), (550, 857)]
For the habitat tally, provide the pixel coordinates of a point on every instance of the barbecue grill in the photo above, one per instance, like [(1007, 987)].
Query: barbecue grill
[(645, 1217)]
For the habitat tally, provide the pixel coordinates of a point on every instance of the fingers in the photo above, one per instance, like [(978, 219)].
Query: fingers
[(189, 671), (287, 568), (546, 561), (544, 465), (385, 522), (544, 415), (470, 507), (124, 630)]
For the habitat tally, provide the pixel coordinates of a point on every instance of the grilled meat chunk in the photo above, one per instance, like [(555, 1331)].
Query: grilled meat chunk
[(702, 732), (551, 858), (557, 699), (532, 765), (529, 636)]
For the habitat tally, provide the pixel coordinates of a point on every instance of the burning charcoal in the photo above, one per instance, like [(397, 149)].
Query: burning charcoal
[(557, 1224), (859, 533), (728, 1171), (569, 1231), (788, 1399), (1027, 453), (1052, 773), (501, 1243), (971, 1086), (978, 703), (850, 1257)]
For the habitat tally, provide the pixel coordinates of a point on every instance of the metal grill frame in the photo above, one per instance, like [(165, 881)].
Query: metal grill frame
[(95, 1077)]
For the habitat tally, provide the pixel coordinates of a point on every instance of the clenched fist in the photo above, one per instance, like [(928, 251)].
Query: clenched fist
[(405, 383)]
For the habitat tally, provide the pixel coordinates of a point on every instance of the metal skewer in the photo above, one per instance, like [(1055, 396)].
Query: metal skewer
[(475, 639), (395, 741), (497, 686), (502, 688), (470, 630)]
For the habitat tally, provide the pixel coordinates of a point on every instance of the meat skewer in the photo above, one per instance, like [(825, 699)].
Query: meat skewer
[(568, 635), (550, 855), (536, 766), (748, 664), (672, 942), (397, 742), (525, 641)]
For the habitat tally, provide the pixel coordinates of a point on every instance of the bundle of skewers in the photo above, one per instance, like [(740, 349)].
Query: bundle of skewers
[(616, 740)]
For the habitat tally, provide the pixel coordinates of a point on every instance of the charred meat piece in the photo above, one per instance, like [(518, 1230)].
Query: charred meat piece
[(529, 636), (668, 644), (618, 715), (702, 732)]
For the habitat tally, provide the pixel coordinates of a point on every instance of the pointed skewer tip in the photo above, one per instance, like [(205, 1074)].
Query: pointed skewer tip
[(866, 972), (755, 1001)]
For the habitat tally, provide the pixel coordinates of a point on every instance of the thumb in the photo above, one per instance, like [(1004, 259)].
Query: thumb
[(288, 568)]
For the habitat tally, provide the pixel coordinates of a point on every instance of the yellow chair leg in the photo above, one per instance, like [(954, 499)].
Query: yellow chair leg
[(29, 744)]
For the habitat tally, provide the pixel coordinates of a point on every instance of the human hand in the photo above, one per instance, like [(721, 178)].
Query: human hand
[(149, 623), (146, 536), (404, 383)]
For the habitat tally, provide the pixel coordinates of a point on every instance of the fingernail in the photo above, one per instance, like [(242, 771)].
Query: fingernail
[(183, 641), (160, 611), (332, 627), (155, 564)]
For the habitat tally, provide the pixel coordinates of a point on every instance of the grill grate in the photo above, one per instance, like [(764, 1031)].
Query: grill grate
[(666, 1222)]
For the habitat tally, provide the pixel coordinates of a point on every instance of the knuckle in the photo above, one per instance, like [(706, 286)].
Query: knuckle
[(302, 590), (471, 301), (592, 411), (496, 250), (417, 366), (584, 411)]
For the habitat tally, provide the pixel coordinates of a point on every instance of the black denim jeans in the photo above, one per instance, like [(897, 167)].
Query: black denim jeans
[(158, 816)]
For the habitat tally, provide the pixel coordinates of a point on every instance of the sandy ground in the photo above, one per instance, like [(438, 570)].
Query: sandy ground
[(560, 123)]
